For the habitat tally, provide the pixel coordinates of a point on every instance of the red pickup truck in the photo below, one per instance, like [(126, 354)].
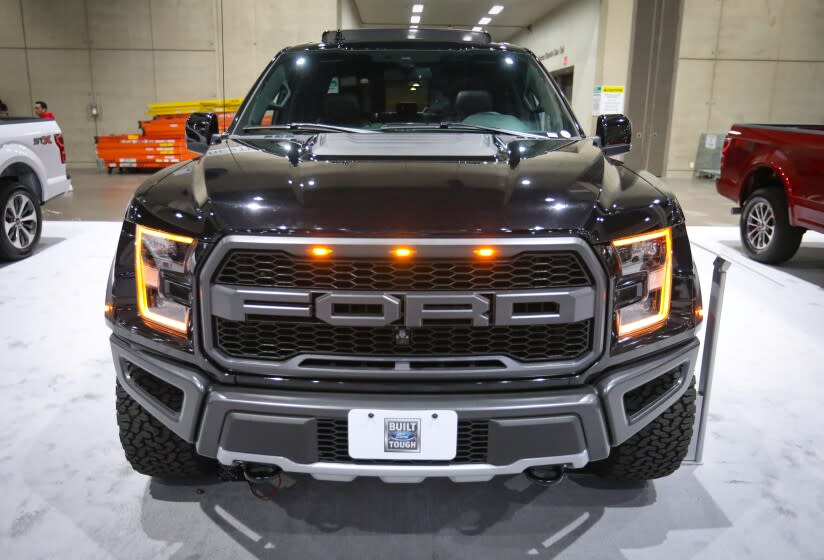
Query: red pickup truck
[(775, 173)]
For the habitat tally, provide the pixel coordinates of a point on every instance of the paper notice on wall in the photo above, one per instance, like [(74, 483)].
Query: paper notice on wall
[(608, 100), (711, 141)]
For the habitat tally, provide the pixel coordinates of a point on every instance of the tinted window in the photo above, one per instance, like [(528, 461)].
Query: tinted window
[(382, 88)]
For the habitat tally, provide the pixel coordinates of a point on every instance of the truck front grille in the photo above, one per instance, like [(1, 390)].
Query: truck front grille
[(529, 270), (268, 309), (333, 444), (267, 338)]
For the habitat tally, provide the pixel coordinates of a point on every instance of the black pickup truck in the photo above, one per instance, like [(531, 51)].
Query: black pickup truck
[(404, 259)]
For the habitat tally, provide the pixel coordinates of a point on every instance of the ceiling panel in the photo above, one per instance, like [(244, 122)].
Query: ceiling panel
[(463, 14)]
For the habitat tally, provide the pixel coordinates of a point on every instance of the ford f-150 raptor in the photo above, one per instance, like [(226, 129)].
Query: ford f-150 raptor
[(404, 259)]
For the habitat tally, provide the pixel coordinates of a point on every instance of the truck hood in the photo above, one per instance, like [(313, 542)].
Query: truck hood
[(534, 188)]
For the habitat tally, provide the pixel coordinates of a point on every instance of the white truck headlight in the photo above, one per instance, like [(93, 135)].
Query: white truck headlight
[(645, 282), (163, 270)]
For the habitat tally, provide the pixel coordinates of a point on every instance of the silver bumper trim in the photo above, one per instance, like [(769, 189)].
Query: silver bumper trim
[(345, 472)]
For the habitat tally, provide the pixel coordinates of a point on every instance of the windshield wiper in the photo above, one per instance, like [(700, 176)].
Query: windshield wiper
[(311, 127), (465, 126)]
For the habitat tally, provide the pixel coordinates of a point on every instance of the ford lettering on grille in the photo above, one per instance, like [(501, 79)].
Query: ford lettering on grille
[(410, 310)]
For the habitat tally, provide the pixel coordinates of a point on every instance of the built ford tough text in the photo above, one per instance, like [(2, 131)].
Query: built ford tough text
[(404, 259)]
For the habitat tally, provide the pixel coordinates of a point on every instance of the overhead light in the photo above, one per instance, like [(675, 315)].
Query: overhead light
[(484, 21), (418, 8), (415, 19), (495, 10), (477, 28)]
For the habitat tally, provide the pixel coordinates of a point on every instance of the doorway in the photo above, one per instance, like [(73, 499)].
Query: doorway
[(563, 78)]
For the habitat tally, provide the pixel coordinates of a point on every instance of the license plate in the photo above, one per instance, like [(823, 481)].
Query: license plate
[(411, 435)]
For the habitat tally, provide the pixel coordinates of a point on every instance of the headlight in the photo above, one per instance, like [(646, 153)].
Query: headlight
[(163, 268), (644, 287)]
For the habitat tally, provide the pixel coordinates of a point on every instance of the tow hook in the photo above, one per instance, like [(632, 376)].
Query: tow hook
[(546, 476), (264, 480)]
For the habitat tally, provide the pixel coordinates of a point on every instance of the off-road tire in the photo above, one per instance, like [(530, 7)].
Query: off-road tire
[(658, 449), (785, 238), (8, 251), (152, 448)]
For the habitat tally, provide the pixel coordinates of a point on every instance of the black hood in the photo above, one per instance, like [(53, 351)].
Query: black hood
[(255, 186)]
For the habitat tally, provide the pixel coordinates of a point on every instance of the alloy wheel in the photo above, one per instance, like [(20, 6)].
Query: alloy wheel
[(20, 221), (760, 226)]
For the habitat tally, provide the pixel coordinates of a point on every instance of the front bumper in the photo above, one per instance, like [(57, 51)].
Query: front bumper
[(538, 428)]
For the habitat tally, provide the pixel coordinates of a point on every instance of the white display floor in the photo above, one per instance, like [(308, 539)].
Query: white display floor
[(67, 492)]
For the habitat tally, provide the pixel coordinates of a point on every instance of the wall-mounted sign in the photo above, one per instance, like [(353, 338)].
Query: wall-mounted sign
[(554, 52), (608, 100)]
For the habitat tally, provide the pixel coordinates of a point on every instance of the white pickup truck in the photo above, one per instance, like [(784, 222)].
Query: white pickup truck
[(32, 171)]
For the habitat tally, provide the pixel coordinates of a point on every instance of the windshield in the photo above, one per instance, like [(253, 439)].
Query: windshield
[(392, 89)]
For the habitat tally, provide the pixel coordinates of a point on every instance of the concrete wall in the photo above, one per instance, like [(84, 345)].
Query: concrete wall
[(349, 15), (745, 61), (575, 27), (125, 54)]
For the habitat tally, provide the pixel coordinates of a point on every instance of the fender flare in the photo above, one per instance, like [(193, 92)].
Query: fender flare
[(16, 153)]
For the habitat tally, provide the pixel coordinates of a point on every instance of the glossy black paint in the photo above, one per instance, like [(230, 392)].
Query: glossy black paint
[(614, 133), (200, 129), (275, 186), (558, 186)]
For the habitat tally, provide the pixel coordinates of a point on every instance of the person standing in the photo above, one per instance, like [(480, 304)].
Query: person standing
[(42, 110)]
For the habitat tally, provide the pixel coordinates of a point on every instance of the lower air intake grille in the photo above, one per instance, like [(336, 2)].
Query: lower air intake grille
[(333, 444), (264, 338)]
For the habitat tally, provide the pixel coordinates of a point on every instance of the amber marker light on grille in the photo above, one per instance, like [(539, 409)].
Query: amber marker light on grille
[(140, 278), (656, 320), (486, 252), (403, 252), (319, 251)]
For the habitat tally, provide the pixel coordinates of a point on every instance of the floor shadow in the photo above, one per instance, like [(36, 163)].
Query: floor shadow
[(507, 517), (44, 244), (807, 264)]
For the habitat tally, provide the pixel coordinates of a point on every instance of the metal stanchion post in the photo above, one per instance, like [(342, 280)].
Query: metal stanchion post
[(719, 280)]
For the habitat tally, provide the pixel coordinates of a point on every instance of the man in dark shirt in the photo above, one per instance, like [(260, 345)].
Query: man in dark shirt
[(42, 110)]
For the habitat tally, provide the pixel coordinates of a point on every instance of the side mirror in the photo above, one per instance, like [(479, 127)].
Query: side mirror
[(615, 134), (201, 129)]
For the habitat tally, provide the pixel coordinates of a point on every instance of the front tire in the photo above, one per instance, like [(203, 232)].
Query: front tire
[(20, 221), (152, 448), (660, 447), (766, 232)]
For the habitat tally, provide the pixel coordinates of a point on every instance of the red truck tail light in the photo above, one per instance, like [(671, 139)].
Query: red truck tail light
[(725, 148), (58, 139)]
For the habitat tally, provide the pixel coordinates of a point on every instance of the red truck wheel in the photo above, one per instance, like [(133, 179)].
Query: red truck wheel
[(766, 232)]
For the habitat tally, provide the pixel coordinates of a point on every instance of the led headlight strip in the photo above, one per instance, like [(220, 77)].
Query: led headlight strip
[(157, 253), (647, 256)]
